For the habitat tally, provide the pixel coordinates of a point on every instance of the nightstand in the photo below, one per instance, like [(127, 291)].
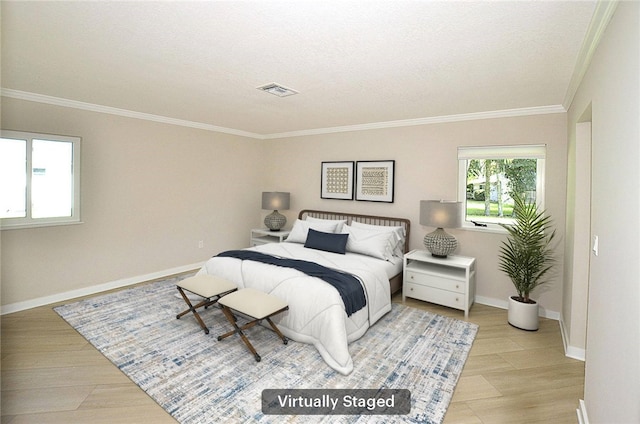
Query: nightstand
[(449, 281), (264, 235)]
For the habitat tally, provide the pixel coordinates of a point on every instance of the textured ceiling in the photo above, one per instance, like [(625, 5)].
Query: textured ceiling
[(352, 62)]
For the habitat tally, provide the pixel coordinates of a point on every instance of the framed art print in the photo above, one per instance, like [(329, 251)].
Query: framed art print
[(337, 180), (374, 180)]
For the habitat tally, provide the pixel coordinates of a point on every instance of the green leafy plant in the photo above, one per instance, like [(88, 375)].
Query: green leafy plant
[(527, 255)]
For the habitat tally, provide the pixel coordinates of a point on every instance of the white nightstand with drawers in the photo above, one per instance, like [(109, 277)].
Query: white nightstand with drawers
[(449, 281)]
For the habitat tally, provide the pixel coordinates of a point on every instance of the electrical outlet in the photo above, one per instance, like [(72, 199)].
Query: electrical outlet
[(200, 244)]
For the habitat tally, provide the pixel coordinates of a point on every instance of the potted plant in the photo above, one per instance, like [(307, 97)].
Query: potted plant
[(526, 257)]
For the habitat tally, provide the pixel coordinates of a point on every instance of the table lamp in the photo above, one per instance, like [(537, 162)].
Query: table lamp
[(440, 214), (275, 200)]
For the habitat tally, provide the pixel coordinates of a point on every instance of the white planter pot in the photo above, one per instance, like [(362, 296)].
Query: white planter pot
[(523, 315)]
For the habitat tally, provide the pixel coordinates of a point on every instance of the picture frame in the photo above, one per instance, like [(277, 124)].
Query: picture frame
[(337, 180), (375, 181)]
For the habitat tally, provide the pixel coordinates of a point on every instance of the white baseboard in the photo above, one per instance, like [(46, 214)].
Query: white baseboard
[(575, 353), (503, 304), (582, 413), (86, 291), (570, 351), (490, 301)]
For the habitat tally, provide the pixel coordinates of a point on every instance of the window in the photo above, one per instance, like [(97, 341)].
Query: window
[(489, 178), (39, 179)]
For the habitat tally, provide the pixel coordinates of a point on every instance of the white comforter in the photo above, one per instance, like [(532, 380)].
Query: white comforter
[(316, 312)]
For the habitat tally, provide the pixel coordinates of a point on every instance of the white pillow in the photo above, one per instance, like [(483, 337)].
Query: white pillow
[(301, 229), (339, 222), (371, 243), (399, 234)]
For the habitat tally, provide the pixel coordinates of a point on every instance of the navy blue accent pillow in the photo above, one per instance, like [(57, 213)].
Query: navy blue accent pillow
[(329, 242)]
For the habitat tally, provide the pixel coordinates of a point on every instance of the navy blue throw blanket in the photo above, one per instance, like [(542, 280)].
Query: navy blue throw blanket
[(347, 285)]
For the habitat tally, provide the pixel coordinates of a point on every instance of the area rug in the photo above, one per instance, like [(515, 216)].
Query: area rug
[(198, 379)]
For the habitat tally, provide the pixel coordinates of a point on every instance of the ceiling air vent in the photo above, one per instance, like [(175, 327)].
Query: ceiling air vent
[(277, 90)]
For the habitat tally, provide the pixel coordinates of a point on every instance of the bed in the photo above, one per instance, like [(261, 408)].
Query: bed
[(318, 313)]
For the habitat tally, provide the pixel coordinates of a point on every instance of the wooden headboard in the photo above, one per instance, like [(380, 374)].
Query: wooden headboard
[(365, 219)]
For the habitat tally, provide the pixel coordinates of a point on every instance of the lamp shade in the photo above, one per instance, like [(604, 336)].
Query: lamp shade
[(440, 213), (275, 200)]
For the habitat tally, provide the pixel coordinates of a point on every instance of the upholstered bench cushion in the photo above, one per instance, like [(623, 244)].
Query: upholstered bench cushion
[(253, 303), (206, 285)]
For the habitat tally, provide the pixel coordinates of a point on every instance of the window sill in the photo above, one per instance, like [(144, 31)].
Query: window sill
[(494, 229), (38, 225)]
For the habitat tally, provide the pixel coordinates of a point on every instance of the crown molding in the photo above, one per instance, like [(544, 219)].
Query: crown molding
[(602, 14), (57, 101), (508, 113)]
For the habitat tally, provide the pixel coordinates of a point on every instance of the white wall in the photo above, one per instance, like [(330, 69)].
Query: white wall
[(150, 192), (611, 88), (578, 238), (427, 168)]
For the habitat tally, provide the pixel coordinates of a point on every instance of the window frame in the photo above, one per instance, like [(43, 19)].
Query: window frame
[(28, 221), (523, 151)]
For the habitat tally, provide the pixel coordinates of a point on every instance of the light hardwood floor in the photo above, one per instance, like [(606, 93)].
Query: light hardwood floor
[(50, 374)]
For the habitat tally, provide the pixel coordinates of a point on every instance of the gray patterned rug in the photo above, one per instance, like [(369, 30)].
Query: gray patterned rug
[(200, 380)]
